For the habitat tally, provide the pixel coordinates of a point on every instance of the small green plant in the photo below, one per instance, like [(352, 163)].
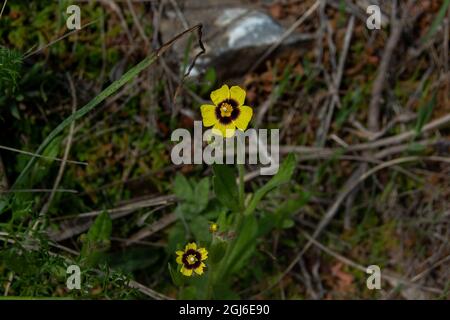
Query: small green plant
[(225, 230), (10, 65), (230, 240)]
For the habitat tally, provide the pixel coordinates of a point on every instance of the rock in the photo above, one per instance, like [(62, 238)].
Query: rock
[(246, 28), (234, 39)]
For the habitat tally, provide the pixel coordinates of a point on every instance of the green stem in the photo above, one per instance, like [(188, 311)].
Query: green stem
[(238, 218), (241, 171), (209, 285)]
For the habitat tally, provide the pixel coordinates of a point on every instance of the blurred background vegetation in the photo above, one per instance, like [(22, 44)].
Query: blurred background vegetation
[(366, 112)]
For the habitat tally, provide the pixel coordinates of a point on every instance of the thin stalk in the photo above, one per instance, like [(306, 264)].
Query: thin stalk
[(241, 171), (238, 219)]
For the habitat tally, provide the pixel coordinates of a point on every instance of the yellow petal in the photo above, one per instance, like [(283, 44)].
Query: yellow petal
[(225, 130), (244, 117), (179, 259), (238, 94), (208, 115), (204, 253), (185, 271), (192, 246), (199, 270), (179, 253), (217, 96)]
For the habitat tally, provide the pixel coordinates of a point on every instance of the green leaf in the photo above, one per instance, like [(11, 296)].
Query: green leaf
[(224, 221), (101, 228), (177, 235), (424, 113), (281, 218), (416, 148), (42, 168), (222, 291), (175, 275), (244, 245), (200, 228), (208, 81), (186, 211), (10, 67), (195, 199), (287, 223), (217, 251), (289, 208), (183, 188), (188, 293), (283, 176), (201, 194), (225, 186), (97, 239), (15, 112), (437, 21)]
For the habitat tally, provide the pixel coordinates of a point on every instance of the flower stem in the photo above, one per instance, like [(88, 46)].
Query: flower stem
[(241, 171), (210, 283)]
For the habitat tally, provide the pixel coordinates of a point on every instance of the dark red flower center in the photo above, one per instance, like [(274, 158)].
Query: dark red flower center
[(191, 259), (225, 105)]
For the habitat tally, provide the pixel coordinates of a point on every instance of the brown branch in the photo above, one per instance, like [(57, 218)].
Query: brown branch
[(388, 276), (399, 138), (336, 83), (151, 229), (72, 228), (358, 176), (380, 80)]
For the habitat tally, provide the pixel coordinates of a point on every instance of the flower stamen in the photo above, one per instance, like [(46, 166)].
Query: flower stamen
[(191, 259), (226, 109)]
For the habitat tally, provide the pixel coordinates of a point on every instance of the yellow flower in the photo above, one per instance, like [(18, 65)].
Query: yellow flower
[(191, 259), (228, 111), (213, 227)]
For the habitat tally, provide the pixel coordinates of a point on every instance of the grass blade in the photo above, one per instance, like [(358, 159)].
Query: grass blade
[(112, 88)]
